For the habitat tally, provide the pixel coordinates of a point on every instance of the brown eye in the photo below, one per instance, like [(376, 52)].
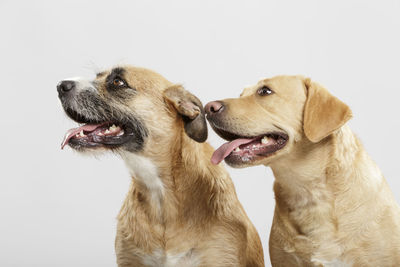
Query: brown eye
[(263, 91), (118, 82)]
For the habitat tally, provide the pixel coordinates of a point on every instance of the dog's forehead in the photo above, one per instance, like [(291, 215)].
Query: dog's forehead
[(283, 82), (248, 90), (280, 82), (140, 78), (286, 80)]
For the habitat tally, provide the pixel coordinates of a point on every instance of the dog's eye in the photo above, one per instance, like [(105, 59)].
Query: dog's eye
[(264, 91), (118, 82)]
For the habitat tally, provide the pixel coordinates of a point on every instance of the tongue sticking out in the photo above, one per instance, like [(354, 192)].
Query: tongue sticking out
[(223, 151), (72, 132)]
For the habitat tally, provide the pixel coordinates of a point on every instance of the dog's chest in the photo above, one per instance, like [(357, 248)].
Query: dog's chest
[(327, 255), (161, 258)]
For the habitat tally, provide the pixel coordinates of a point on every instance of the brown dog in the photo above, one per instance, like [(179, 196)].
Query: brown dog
[(333, 206), (180, 210)]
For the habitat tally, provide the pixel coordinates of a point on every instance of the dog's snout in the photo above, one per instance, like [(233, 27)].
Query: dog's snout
[(214, 107), (64, 87)]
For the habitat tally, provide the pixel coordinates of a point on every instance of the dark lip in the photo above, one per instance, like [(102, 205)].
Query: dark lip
[(108, 142), (236, 160), (230, 136)]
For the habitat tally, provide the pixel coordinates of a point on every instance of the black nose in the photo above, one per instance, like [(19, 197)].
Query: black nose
[(64, 87)]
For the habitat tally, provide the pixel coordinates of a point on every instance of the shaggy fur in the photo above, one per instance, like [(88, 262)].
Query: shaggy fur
[(180, 209)]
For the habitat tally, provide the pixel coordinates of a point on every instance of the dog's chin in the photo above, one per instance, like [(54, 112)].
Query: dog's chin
[(243, 150)]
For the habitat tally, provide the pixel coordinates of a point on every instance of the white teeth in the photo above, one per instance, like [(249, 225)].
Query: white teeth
[(113, 128), (81, 134), (265, 140), (237, 149), (107, 131), (100, 133)]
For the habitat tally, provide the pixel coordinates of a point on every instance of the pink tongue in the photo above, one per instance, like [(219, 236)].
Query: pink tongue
[(224, 150), (72, 132)]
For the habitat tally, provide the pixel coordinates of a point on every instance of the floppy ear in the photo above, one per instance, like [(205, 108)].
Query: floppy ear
[(191, 110), (323, 113)]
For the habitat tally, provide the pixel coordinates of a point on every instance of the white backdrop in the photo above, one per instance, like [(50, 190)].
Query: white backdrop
[(58, 208)]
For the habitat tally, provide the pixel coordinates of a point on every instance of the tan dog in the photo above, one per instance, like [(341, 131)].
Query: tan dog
[(180, 210), (333, 206)]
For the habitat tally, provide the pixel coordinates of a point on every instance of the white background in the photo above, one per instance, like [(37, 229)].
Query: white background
[(58, 208)]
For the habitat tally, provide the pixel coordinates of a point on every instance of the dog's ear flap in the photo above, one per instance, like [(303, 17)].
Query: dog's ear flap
[(191, 110), (323, 113)]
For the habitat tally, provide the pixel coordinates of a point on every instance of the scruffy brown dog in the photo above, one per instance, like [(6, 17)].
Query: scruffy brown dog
[(333, 206), (180, 210)]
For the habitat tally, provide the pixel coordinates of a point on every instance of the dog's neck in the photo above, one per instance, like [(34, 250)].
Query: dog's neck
[(177, 181), (307, 179), (146, 176)]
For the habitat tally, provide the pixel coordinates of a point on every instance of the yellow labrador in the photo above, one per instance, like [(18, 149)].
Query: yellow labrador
[(333, 206)]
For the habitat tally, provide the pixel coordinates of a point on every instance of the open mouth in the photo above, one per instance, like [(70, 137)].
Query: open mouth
[(242, 149), (93, 134)]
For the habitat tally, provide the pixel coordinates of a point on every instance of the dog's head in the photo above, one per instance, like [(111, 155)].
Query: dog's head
[(130, 109), (271, 117)]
